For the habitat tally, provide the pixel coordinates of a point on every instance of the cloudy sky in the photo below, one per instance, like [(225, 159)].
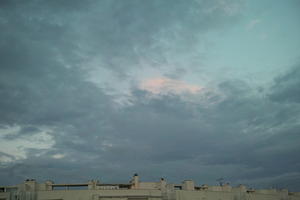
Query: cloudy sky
[(198, 89)]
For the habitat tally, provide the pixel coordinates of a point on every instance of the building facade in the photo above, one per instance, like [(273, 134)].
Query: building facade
[(137, 190)]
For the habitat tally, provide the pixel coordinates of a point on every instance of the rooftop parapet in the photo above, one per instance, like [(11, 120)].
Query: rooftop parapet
[(226, 187), (266, 191)]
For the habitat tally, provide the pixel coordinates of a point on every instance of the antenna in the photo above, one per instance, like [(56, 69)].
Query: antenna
[(221, 181)]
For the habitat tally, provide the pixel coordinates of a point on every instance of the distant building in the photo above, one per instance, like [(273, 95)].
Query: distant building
[(137, 190)]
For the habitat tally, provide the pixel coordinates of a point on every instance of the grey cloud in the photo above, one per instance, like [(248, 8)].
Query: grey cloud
[(122, 34), (176, 73), (25, 131), (43, 83), (287, 87), (115, 33), (214, 136), (149, 140)]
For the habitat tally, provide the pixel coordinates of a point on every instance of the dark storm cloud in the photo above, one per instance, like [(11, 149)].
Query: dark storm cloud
[(45, 46)]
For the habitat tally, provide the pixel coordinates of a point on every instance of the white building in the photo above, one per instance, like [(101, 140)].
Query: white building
[(137, 190)]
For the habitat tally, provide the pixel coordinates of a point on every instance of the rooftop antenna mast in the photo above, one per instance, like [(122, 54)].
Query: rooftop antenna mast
[(221, 181)]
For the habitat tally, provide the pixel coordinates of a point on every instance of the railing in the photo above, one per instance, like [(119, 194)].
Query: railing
[(85, 186)]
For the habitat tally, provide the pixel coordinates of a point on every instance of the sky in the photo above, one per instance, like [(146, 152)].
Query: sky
[(198, 89)]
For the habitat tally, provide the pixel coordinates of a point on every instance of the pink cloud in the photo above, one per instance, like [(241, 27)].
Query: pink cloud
[(166, 85)]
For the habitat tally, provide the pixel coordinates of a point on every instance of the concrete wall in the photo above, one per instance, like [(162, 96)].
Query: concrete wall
[(236, 195), (4, 195), (99, 194)]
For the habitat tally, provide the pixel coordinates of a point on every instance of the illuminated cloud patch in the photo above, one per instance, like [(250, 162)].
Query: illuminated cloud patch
[(168, 86), (15, 146)]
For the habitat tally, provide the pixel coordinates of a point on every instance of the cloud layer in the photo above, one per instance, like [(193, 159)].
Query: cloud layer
[(60, 125)]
